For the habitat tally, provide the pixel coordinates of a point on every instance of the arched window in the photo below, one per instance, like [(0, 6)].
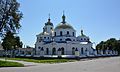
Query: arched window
[(55, 33), (62, 51), (44, 37), (60, 39), (73, 34), (54, 51), (73, 51), (81, 39), (38, 47), (42, 49), (51, 28), (67, 32), (81, 50), (43, 29), (84, 38), (47, 51), (60, 33), (68, 39)]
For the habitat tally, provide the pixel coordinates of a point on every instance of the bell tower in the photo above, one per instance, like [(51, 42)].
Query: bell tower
[(48, 26)]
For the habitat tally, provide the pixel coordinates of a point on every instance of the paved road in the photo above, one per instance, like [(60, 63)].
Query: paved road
[(111, 64)]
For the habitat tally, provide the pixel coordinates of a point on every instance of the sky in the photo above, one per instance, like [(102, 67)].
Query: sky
[(99, 19)]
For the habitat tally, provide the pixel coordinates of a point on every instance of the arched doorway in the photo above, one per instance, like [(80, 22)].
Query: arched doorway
[(62, 51), (81, 50), (73, 51), (53, 51), (47, 51)]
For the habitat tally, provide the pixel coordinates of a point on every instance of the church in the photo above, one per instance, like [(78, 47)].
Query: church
[(62, 40)]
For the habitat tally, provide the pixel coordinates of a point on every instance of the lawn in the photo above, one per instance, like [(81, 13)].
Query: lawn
[(10, 64), (43, 60)]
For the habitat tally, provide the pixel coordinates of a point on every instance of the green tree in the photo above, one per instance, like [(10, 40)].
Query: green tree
[(18, 42), (110, 44), (100, 45), (10, 16), (9, 41)]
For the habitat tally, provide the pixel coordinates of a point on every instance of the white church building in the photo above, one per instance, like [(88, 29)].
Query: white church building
[(62, 40)]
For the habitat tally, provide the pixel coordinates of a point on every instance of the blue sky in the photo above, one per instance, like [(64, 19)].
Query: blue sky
[(100, 19)]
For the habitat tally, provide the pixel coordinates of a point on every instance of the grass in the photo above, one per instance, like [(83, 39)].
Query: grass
[(43, 60), (10, 64)]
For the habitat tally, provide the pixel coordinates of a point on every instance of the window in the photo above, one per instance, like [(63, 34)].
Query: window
[(38, 47), (73, 51), (81, 50), (60, 39), (51, 28), (55, 33), (62, 51), (39, 40), (60, 33), (40, 37), (48, 37), (67, 32), (47, 51), (81, 38), (44, 37), (73, 34), (43, 29), (68, 39), (84, 39), (53, 51)]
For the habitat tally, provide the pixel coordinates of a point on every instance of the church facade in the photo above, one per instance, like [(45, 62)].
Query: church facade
[(62, 40)]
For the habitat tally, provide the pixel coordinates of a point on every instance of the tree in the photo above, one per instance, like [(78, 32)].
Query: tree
[(100, 45), (18, 42), (10, 16), (11, 42), (110, 44)]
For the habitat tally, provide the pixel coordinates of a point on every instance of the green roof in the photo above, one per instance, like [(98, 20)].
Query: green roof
[(64, 26)]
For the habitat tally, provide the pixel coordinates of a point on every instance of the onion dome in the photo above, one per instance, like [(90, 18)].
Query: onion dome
[(49, 23), (63, 24)]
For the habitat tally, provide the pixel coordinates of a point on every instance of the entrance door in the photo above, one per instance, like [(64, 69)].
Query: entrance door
[(54, 51), (62, 51)]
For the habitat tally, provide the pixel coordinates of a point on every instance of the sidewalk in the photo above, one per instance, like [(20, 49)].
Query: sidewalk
[(23, 62)]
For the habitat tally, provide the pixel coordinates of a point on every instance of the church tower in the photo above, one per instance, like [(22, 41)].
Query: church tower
[(48, 28)]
